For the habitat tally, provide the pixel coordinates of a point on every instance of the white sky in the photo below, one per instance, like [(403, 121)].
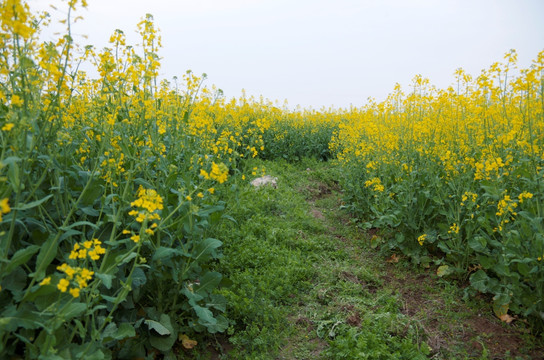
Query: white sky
[(322, 52)]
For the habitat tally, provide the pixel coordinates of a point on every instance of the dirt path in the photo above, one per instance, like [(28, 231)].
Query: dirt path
[(357, 284)]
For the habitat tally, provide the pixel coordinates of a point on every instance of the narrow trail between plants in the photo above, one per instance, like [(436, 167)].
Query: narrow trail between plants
[(367, 304)]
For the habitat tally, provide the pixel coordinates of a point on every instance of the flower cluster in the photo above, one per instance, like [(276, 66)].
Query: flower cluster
[(421, 239), (147, 204), (468, 195), (524, 195), (506, 206), (90, 248), (77, 278), (218, 173), (4, 207), (376, 184)]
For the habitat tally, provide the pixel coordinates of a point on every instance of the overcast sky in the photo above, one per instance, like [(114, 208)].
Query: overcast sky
[(322, 52)]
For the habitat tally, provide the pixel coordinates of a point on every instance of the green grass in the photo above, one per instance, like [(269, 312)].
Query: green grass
[(306, 284)]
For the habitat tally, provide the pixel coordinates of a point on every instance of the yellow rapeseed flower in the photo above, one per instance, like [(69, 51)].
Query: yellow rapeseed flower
[(63, 285), (8, 127), (4, 207), (524, 195), (16, 100), (421, 239), (74, 292)]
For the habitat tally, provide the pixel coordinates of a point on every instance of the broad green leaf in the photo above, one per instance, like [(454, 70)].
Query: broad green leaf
[(164, 343), (157, 326), (138, 278), (208, 283), (501, 270), (479, 280), (125, 330), (80, 223), (444, 270), (163, 252), (47, 253), (15, 318), (205, 316), (123, 258), (192, 296), (72, 310), (89, 210), (203, 249), (20, 257), (33, 204), (14, 176), (11, 160), (218, 302), (109, 332), (221, 325), (16, 282), (69, 233), (478, 244), (486, 261), (210, 210), (106, 279)]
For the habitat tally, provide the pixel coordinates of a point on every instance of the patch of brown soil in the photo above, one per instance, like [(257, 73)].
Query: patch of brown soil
[(316, 213), (354, 319), (476, 329), (317, 191), (221, 347), (369, 286)]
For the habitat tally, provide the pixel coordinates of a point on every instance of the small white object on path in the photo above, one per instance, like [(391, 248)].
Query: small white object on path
[(265, 180)]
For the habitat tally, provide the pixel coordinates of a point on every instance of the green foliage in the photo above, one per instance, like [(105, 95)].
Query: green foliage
[(462, 226)]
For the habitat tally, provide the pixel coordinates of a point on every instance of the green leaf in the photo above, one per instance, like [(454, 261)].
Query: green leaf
[(208, 283), (33, 204), (502, 270), (164, 252), (72, 310), (157, 326), (203, 249), (14, 175), (478, 244), (138, 278), (15, 318), (479, 281), (112, 332), (89, 210), (123, 258), (109, 332), (80, 223), (47, 253), (16, 283), (444, 270), (20, 257), (193, 297), (221, 325), (486, 261), (164, 343), (210, 210), (126, 330), (11, 160), (205, 316), (106, 279), (70, 233), (218, 302)]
